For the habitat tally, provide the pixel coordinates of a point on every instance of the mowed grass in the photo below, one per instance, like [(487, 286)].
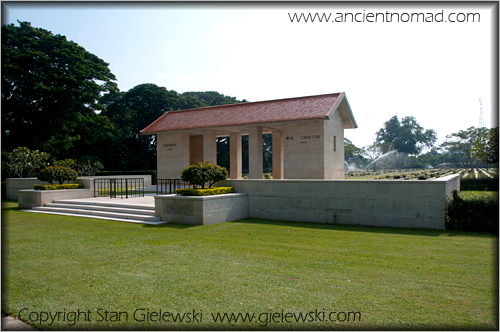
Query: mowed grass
[(395, 278)]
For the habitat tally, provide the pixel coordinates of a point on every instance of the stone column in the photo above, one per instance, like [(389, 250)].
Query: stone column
[(235, 163), (255, 159), (277, 154), (210, 147)]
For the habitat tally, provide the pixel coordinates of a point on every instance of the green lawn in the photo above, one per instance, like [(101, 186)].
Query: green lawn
[(393, 278)]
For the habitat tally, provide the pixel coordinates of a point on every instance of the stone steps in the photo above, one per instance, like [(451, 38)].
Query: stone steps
[(102, 210)]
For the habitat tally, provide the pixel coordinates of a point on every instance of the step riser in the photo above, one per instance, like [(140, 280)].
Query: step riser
[(99, 217), (101, 208), (110, 205), (123, 215)]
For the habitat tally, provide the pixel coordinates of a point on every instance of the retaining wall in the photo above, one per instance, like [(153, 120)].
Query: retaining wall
[(389, 203), (202, 210), (14, 185), (29, 198)]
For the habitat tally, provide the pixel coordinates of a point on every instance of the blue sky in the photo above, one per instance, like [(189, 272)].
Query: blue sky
[(435, 72)]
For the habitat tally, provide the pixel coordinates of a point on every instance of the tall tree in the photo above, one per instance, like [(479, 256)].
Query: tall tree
[(132, 111), (466, 146), (212, 98), (50, 89), (406, 137)]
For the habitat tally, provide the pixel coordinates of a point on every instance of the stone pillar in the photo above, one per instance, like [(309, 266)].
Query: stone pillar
[(235, 163), (255, 159), (277, 154), (210, 147), (172, 154)]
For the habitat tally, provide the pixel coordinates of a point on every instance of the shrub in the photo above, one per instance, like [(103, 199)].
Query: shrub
[(475, 212), (57, 173), (204, 192), (69, 163), (483, 184), (23, 162), (202, 173), (58, 186)]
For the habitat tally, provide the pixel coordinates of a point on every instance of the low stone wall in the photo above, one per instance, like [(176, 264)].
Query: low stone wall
[(29, 198), (390, 203), (14, 185), (201, 210)]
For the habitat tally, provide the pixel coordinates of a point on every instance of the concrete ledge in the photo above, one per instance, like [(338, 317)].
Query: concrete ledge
[(387, 203), (29, 198), (14, 185), (201, 210)]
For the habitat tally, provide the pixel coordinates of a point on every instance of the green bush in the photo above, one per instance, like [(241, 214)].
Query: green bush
[(58, 186), (484, 184), (57, 173), (204, 192), (23, 162), (202, 173), (69, 163), (473, 212)]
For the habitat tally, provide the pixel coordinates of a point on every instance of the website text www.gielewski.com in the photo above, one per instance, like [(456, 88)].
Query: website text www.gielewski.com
[(386, 17), (193, 316)]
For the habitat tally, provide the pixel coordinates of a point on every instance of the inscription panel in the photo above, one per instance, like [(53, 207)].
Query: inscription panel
[(178, 207)]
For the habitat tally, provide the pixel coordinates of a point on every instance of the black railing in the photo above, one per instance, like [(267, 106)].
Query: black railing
[(168, 186), (119, 188)]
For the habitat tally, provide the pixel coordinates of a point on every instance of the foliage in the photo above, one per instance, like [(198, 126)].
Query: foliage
[(486, 147), (23, 162), (406, 137), (202, 173), (57, 186), (57, 173), (212, 98), (204, 192), (352, 153), (89, 167), (489, 184), (473, 212), (50, 89), (69, 163), (466, 145)]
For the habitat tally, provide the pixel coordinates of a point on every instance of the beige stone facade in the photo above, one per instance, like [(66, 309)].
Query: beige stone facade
[(307, 137)]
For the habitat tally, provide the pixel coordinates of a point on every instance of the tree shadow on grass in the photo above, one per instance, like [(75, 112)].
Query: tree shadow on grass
[(370, 229)]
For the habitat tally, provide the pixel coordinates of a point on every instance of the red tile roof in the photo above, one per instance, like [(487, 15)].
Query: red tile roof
[(300, 108)]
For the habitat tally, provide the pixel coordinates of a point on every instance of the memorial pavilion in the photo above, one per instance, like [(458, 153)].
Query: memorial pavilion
[(307, 136)]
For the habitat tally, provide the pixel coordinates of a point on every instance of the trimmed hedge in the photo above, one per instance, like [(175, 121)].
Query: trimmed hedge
[(143, 172), (58, 186), (479, 184), (205, 192), (474, 212)]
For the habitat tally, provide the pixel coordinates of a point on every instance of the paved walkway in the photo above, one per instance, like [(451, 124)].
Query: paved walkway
[(135, 201)]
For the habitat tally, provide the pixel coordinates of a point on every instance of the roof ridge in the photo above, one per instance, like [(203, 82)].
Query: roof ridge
[(254, 102)]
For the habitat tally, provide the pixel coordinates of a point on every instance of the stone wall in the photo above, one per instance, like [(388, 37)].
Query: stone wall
[(14, 185), (390, 203), (201, 210)]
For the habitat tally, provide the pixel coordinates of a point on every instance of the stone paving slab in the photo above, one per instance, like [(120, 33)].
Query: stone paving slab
[(132, 201), (14, 324)]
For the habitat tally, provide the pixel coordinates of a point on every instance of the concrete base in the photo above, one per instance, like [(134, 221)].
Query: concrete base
[(30, 198), (14, 185), (201, 210), (391, 203)]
